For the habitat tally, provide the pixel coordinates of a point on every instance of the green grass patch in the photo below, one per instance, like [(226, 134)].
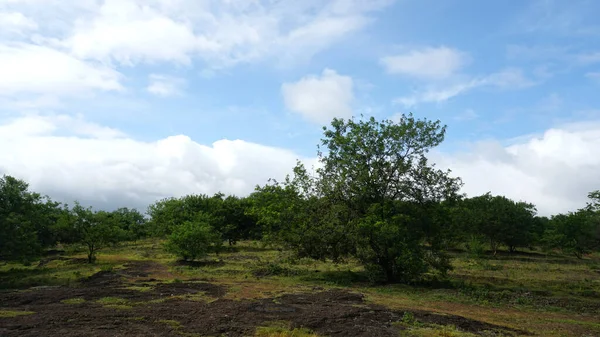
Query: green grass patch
[(118, 306), (111, 300), (14, 313), (282, 329), (435, 331), (139, 288), (77, 300), (171, 322)]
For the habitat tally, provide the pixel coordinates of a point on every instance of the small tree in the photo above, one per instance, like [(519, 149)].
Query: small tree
[(95, 230), (194, 239)]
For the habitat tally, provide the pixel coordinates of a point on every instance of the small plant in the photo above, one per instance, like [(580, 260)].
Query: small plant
[(408, 318), (106, 268)]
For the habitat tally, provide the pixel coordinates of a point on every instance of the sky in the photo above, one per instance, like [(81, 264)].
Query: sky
[(124, 102)]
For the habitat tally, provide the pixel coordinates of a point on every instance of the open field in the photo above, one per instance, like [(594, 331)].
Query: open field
[(139, 290)]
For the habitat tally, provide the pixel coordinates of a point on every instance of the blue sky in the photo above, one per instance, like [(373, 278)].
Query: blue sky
[(122, 102)]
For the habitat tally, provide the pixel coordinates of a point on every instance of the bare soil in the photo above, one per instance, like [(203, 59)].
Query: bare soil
[(163, 311)]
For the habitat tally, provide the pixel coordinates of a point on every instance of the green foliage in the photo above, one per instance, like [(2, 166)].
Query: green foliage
[(94, 230), (375, 198), (194, 239), (500, 220), (475, 246), (576, 233), (26, 221), (228, 216)]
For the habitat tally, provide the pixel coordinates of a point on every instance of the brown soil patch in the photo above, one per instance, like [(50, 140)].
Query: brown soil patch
[(329, 313)]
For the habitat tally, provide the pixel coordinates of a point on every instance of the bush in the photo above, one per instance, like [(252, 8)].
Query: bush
[(475, 247), (193, 240)]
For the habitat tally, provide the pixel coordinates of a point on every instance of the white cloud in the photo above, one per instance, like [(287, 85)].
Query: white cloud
[(27, 68), (320, 99), (103, 167), (427, 63), (15, 23), (510, 78), (130, 32), (70, 158), (555, 171), (222, 33), (163, 85), (39, 125)]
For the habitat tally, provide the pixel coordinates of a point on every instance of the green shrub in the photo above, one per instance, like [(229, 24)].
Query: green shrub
[(193, 240), (475, 247)]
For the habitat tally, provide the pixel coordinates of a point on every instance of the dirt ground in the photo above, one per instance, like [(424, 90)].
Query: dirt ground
[(198, 309)]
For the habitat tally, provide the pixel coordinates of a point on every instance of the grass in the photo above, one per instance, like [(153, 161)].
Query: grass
[(436, 331), (13, 313), (548, 294), (282, 329), (73, 301), (115, 303), (171, 322)]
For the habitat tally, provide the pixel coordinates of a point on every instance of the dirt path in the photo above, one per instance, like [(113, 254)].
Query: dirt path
[(108, 305)]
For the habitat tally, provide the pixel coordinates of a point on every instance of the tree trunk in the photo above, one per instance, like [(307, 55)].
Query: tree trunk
[(90, 253)]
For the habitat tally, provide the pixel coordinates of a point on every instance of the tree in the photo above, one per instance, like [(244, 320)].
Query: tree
[(370, 199), (95, 230), (234, 223), (131, 221), (194, 239), (27, 221), (577, 233), (501, 221)]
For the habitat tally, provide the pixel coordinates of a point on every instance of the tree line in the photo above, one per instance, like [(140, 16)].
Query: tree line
[(374, 198)]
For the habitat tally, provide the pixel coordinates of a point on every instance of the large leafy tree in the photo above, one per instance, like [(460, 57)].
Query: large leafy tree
[(27, 220), (373, 197)]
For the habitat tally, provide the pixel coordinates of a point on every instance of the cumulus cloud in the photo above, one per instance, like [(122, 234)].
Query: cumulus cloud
[(163, 85), (70, 159), (15, 23), (426, 63), (28, 68), (555, 170), (320, 98)]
